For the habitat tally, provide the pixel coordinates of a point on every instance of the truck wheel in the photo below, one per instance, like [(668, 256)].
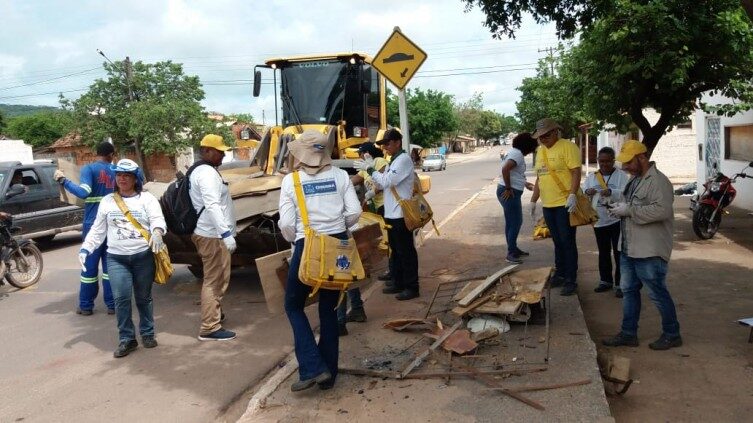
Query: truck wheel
[(197, 271)]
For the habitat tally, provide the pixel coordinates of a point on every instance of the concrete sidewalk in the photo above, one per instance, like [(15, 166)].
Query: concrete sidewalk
[(471, 244)]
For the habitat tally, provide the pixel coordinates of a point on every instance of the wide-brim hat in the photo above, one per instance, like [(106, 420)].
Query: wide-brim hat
[(311, 149), (544, 126)]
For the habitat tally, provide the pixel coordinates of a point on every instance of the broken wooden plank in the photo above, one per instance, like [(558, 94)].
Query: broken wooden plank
[(462, 311), (532, 388), (456, 373), (404, 323), (413, 364), (369, 372), (491, 280)]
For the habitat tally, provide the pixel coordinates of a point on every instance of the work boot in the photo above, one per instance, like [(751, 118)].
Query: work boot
[(323, 378), (621, 340), (149, 341), (84, 312), (356, 315), (391, 289), (569, 289), (664, 343), (556, 281), (603, 287), (125, 348), (407, 294), (342, 329), (386, 276)]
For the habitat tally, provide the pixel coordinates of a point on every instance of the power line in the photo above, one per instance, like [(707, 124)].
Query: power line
[(42, 94), (474, 73), (51, 79)]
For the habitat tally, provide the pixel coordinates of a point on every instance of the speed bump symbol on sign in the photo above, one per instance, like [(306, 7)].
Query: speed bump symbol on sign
[(399, 59)]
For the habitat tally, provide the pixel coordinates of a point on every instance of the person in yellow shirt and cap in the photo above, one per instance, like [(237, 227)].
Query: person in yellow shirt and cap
[(558, 172)]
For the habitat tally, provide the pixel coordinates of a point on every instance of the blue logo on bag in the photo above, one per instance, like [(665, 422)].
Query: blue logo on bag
[(342, 262)]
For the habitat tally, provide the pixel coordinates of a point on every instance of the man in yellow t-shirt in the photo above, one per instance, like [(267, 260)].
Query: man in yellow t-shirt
[(558, 170)]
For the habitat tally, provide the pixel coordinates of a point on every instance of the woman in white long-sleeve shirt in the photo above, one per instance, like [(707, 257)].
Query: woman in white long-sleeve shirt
[(332, 207), (130, 257)]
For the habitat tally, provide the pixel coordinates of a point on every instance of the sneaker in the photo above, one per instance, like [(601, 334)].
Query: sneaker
[(125, 348), (149, 341), (342, 329), (84, 312), (569, 289), (513, 258), (110, 311), (391, 290), (618, 292), (664, 343), (603, 287), (301, 385), (621, 340), (407, 294), (386, 276), (522, 253), (356, 315), (218, 335)]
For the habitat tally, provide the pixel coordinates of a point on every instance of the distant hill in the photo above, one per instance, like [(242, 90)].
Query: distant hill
[(11, 110)]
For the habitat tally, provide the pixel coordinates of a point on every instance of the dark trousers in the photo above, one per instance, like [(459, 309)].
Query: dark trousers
[(607, 238), (404, 259), (565, 248), (313, 358)]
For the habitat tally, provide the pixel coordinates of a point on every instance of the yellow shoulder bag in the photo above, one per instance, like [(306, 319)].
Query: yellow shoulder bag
[(327, 262), (584, 213), (163, 268), (416, 210)]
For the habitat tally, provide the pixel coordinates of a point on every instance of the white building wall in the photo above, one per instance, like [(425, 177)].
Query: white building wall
[(744, 187), (16, 150)]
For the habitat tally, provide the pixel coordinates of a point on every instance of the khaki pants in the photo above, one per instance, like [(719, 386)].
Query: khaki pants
[(216, 260)]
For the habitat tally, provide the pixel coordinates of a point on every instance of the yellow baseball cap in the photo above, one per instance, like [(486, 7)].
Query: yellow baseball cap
[(630, 149), (214, 141)]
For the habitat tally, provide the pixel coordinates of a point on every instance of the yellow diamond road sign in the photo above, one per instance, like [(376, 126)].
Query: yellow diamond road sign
[(399, 59)]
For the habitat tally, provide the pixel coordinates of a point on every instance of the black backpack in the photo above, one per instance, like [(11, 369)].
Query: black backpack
[(180, 215)]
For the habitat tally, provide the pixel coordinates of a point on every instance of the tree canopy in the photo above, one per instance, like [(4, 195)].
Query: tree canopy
[(40, 129), (430, 115)]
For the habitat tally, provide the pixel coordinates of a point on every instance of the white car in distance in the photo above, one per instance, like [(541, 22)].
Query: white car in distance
[(434, 162)]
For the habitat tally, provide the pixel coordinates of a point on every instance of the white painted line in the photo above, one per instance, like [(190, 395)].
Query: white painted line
[(452, 214)]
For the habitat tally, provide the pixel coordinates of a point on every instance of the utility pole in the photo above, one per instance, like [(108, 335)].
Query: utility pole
[(263, 118), (136, 141), (549, 50)]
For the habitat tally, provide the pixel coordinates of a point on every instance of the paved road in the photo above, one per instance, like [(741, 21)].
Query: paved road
[(58, 366)]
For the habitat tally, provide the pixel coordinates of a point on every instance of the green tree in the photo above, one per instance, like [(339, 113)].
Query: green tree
[(2, 122), (639, 54), (241, 117), (469, 114), (508, 124), (40, 129), (158, 110), (430, 115)]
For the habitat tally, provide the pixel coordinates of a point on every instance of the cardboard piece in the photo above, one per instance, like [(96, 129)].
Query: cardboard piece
[(273, 270), (72, 173)]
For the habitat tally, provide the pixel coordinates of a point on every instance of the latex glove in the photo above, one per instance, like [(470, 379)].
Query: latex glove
[(572, 201), (532, 211), (59, 175), (230, 244), (155, 242), (369, 194), (82, 255), (364, 164), (619, 210), (590, 192)]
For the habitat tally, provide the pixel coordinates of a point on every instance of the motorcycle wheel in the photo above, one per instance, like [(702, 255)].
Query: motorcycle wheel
[(703, 227), (24, 266)]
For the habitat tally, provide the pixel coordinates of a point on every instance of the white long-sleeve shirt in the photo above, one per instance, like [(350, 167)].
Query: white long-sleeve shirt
[(210, 192), (616, 183), (399, 174), (331, 202), (122, 237)]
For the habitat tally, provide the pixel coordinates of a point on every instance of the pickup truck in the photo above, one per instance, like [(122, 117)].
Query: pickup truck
[(38, 211)]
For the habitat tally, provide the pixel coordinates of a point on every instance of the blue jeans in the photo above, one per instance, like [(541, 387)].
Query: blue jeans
[(513, 217), (565, 248), (313, 359), (132, 275), (89, 288), (651, 272), (354, 295)]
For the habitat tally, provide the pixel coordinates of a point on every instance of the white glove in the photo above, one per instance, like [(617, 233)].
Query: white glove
[(619, 210), (532, 211), (155, 242), (369, 194), (59, 175), (230, 244), (82, 255), (572, 201), (364, 164)]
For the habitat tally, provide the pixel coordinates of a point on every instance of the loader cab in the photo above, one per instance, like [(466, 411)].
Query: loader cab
[(329, 90)]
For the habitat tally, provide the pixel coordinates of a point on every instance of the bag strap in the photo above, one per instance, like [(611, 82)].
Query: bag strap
[(602, 182), (556, 178), (301, 199), (127, 213)]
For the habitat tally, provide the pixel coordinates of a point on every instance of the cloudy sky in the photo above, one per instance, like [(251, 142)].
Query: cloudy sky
[(51, 46)]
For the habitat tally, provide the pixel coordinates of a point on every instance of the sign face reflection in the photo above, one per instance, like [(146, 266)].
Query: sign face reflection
[(399, 59)]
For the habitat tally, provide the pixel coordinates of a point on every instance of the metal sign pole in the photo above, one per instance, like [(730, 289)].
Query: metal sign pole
[(404, 127)]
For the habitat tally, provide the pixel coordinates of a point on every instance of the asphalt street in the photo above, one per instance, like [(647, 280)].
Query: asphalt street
[(58, 366)]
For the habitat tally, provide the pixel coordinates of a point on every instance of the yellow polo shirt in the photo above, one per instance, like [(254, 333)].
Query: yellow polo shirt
[(379, 164), (562, 157)]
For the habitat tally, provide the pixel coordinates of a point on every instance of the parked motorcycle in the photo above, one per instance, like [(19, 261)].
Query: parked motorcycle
[(708, 207), (20, 260)]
